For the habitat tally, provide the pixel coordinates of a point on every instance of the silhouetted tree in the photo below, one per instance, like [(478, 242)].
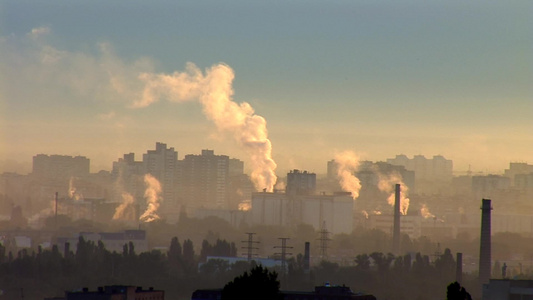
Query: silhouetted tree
[(259, 284), (456, 292), (362, 262)]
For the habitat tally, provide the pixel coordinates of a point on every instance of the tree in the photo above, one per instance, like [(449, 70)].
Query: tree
[(456, 292), (362, 261), (258, 284)]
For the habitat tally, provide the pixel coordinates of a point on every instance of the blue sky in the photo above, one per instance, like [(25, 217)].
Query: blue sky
[(377, 77)]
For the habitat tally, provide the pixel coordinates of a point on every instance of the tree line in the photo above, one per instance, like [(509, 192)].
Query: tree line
[(182, 269)]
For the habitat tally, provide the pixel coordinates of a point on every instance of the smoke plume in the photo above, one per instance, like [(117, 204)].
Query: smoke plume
[(387, 183), (347, 163), (126, 210), (214, 91), (72, 192), (152, 194), (424, 211)]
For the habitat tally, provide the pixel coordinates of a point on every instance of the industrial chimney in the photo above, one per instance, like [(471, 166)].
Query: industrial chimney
[(396, 229), (459, 268), (307, 258), (484, 249)]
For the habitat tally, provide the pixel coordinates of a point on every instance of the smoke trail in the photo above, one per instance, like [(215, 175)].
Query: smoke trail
[(214, 91), (347, 163), (152, 195), (126, 210), (424, 211), (387, 183), (72, 193)]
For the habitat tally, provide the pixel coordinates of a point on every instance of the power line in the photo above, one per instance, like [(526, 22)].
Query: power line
[(250, 246), (283, 254), (324, 240)]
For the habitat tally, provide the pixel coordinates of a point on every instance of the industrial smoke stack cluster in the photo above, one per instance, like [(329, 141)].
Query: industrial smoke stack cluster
[(484, 249)]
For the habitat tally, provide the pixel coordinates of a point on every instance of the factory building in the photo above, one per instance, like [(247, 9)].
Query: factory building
[(288, 210)]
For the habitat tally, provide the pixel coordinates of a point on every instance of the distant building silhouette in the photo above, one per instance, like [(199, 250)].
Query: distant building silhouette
[(205, 179), (497, 289), (162, 164), (487, 186), (300, 183), (114, 292), (60, 166), (428, 171), (288, 210)]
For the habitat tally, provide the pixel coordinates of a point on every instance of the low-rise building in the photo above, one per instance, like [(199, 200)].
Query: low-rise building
[(114, 292)]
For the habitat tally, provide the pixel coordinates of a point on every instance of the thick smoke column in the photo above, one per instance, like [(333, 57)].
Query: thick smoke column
[(214, 91), (152, 195), (347, 163), (387, 183), (126, 210)]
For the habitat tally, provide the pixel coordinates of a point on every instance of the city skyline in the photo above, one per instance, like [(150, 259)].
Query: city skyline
[(377, 79)]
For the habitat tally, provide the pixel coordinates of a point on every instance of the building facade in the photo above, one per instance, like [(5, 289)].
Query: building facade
[(60, 166), (289, 210), (205, 180)]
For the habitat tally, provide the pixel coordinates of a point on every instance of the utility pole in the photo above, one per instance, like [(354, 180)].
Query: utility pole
[(324, 239), (283, 254), (250, 246)]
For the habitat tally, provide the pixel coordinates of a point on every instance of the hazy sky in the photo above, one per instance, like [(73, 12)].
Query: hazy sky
[(376, 77)]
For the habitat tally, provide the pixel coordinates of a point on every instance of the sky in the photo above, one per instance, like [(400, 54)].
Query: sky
[(379, 78)]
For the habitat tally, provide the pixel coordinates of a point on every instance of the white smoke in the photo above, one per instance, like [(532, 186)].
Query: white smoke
[(152, 194), (126, 209), (245, 205), (72, 191), (387, 184), (214, 91), (424, 211), (347, 163)]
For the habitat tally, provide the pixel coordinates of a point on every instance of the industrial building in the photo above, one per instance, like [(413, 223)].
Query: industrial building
[(114, 292), (288, 210), (507, 289)]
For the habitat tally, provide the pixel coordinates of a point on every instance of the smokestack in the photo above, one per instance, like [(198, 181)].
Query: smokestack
[(459, 268), (396, 230), (55, 218), (307, 258), (484, 249)]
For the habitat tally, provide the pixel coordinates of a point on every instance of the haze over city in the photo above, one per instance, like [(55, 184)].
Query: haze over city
[(276, 149), (377, 78)]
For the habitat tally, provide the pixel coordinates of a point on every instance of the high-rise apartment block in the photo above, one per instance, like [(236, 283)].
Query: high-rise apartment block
[(60, 166), (300, 183), (436, 168), (162, 164), (204, 179)]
